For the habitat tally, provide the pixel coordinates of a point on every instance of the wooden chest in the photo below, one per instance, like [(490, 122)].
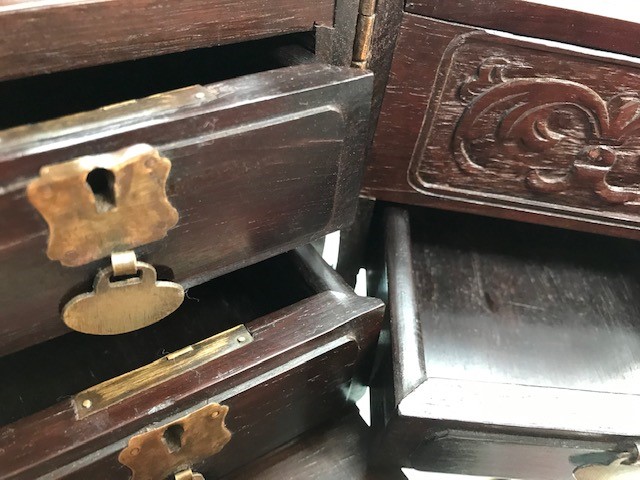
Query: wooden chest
[(183, 141)]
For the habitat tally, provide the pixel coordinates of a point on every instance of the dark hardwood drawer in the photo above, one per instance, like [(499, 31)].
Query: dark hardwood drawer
[(47, 36), (515, 348), (302, 339), (497, 124), (259, 164)]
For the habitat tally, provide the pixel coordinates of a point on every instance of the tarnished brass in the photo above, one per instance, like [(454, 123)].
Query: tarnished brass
[(121, 306), (188, 474), (124, 263), (97, 204), (173, 448), (131, 383), (622, 468), (364, 34)]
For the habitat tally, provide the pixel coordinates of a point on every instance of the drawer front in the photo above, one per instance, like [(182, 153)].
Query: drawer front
[(279, 371), (260, 164), (91, 33), (498, 124)]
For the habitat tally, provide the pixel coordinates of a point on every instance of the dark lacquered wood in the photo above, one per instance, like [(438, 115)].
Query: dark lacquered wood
[(334, 42), (32, 376), (477, 122), (353, 240), (271, 163), (566, 25), (524, 332), (385, 32), (30, 100), (265, 384), (42, 37), (338, 450)]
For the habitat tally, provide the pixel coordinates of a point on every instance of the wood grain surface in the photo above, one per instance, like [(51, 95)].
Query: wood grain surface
[(260, 164), (568, 25), (524, 331), (338, 449), (475, 121), (47, 36), (295, 374)]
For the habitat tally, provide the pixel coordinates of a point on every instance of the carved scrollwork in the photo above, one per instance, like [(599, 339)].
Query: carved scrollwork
[(538, 119)]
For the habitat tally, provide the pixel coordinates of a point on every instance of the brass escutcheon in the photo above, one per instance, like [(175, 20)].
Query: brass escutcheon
[(176, 446), (98, 204)]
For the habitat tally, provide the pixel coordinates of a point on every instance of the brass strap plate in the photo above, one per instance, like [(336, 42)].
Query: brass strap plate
[(170, 366), (173, 448)]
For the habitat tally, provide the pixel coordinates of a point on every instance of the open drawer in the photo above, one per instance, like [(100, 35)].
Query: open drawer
[(48, 36), (259, 164), (277, 344), (516, 348)]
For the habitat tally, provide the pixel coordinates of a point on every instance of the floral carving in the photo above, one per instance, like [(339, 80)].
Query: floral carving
[(521, 115)]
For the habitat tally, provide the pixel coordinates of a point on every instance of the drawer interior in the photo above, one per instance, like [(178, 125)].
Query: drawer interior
[(45, 97), (40, 376), (516, 347), (512, 303)]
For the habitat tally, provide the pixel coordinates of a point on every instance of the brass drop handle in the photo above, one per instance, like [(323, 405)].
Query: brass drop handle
[(122, 306)]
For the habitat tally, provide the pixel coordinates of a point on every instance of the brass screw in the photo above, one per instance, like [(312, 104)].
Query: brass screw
[(87, 403)]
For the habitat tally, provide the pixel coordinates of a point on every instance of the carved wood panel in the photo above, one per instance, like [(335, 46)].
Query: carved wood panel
[(514, 119), (510, 126)]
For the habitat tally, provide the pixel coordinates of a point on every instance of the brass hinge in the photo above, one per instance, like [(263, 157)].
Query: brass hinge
[(364, 33)]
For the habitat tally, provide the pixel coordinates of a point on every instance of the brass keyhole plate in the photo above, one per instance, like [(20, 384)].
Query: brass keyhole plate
[(178, 445), (96, 204)]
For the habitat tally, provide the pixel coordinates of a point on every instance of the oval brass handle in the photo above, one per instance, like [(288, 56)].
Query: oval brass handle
[(121, 306)]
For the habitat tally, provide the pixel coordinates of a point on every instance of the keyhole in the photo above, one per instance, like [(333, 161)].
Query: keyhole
[(172, 437), (101, 182)]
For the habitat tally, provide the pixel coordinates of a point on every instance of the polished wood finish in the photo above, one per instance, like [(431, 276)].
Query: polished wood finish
[(338, 450), (29, 99), (294, 374), (506, 339), (46, 36), (260, 164), (385, 33), (477, 122), (542, 21)]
